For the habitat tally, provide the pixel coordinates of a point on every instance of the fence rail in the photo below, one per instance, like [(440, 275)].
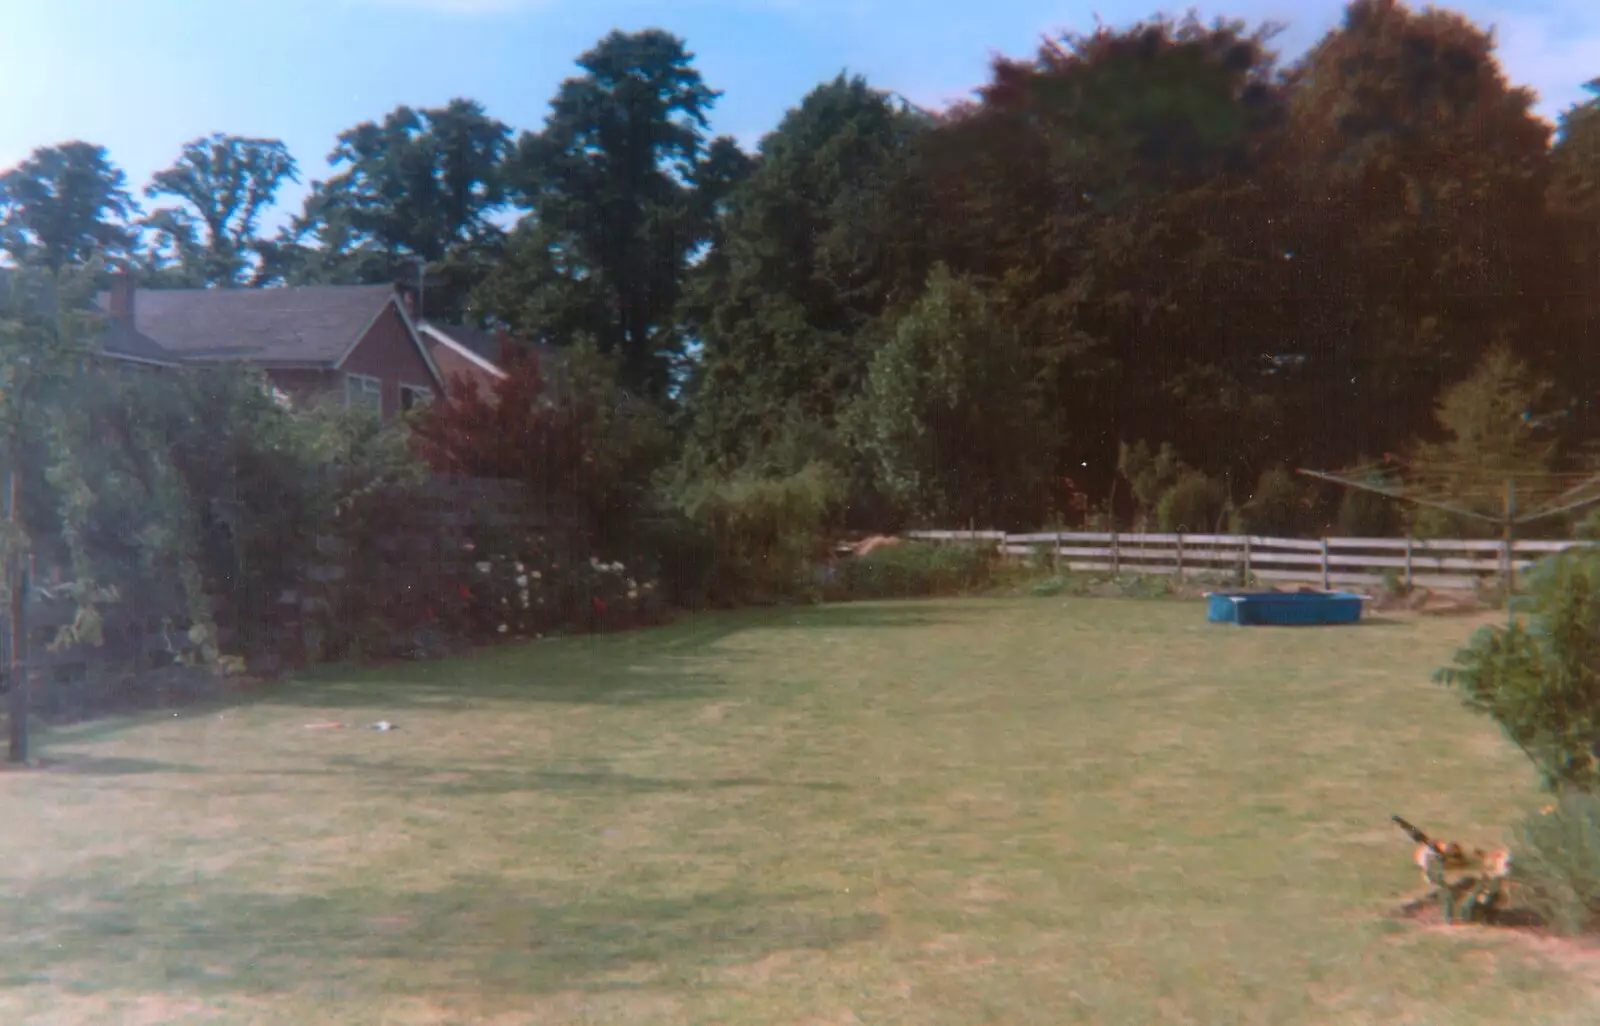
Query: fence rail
[(1431, 563)]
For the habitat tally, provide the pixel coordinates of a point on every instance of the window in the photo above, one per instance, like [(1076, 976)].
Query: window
[(361, 390), (413, 396)]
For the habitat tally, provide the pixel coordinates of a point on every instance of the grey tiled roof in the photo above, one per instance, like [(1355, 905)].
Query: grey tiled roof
[(312, 324), (118, 339), (113, 338)]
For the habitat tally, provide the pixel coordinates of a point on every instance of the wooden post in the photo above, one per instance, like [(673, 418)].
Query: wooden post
[(1116, 559), (1325, 584), (16, 577), (1055, 555), (17, 672), (1409, 577), (1180, 555), (1247, 561), (1509, 577)]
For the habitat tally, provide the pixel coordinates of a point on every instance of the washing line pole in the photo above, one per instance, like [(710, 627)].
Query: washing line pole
[(1584, 494), (1511, 551)]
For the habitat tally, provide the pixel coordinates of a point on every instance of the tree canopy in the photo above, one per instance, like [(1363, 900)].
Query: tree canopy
[(1156, 237)]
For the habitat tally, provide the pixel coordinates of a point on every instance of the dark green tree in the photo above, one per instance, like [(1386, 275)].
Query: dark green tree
[(65, 205), (421, 185), (618, 187), (223, 184), (828, 233)]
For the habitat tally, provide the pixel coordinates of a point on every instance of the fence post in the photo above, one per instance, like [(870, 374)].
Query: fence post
[(1325, 586), (1055, 555), (1408, 563), (1247, 560), (1180, 555), (1116, 559)]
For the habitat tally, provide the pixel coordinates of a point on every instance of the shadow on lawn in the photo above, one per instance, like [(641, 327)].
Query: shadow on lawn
[(463, 781), (674, 663), (205, 935), (110, 766), (667, 664)]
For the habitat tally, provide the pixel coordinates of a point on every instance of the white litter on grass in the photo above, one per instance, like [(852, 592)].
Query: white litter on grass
[(384, 725)]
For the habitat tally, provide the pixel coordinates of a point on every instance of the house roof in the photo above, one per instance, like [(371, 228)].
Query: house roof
[(486, 344), (311, 324), (115, 339), (442, 336), (476, 340), (120, 340)]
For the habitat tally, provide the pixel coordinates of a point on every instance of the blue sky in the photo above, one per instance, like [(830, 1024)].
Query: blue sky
[(143, 76)]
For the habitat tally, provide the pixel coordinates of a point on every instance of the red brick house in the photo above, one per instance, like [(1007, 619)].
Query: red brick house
[(356, 343), (467, 353), (481, 356)]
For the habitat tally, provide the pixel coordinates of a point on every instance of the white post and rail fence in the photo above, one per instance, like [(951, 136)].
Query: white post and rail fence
[(1445, 564)]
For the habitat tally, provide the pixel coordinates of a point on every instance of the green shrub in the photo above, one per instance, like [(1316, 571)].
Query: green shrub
[(1196, 503), (913, 569), (680, 554), (1364, 514), (1541, 681), (1556, 863), (766, 534), (1149, 474), (1050, 587), (1427, 522), (1281, 505)]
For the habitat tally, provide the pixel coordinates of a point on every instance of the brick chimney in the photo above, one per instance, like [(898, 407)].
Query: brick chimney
[(121, 303)]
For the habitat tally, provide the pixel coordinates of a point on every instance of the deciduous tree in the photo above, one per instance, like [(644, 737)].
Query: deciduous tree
[(826, 235), (612, 186), (420, 185), (223, 184), (64, 205)]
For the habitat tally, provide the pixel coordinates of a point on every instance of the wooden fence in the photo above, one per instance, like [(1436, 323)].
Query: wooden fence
[(409, 565), (1432, 563)]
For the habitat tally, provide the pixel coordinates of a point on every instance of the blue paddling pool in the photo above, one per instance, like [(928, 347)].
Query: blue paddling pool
[(1283, 608)]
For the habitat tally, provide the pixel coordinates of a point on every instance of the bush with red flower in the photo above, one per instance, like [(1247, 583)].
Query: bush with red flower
[(575, 441)]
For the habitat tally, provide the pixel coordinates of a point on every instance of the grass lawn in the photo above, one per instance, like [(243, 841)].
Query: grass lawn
[(988, 811)]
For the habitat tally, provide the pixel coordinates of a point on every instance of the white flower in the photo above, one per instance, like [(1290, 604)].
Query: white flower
[(616, 568), (536, 575), (522, 582), (520, 568), (632, 583), (633, 593), (483, 568), (503, 628)]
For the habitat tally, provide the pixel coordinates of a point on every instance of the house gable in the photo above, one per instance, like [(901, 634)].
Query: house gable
[(390, 352), (455, 360)]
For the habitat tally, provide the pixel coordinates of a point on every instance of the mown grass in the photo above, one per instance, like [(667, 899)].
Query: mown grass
[(973, 811)]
